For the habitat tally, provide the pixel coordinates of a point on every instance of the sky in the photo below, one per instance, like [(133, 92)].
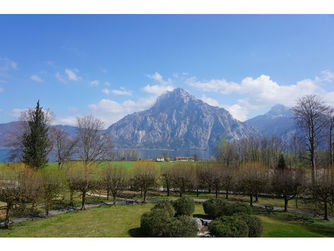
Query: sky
[(113, 65)]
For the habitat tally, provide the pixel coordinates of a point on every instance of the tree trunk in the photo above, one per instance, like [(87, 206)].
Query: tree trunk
[(141, 192), (71, 197), (226, 194), (326, 210), (285, 204), (296, 201), (83, 200), (7, 215), (216, 193), (145, 195), (256, 197), (251, 199), (114, 197), (47, 207), (197, 192), (108, 193), (167, 188)]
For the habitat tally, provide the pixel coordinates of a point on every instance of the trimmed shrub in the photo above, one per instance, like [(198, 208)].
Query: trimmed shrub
[(228, 226), (182, 226), (254, 225), (184, 206), (166, 205), (214, 207), (154, 223), (237, 208)]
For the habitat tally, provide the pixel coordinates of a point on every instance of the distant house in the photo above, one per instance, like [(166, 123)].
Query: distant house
[(160, 159), (184, 158)]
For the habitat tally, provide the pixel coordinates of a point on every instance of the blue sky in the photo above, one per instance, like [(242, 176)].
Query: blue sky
[(113, 65)]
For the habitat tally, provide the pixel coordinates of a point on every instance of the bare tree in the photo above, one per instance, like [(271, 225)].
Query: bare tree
[(114, 179), (93, 144), (252, 179), (310, 115), (83, 179), (183, 176), (16, 185), (323, 188), (286, 183), (53, 184), (63, 145), (145, 176)]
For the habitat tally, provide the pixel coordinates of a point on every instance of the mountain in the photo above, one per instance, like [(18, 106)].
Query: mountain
[(277, 122), (178, 121)]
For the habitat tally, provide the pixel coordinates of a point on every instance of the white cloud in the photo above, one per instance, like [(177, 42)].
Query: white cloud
[(210, 101), (158, 78), (262, 92), (94, 83), (107, 83), (111, 111), (6, 64), (122, 91), (106, 91), (72, 75), (70, 120), (158, 89), (17, 112), (60, 77), (1, 89), (36, 78)]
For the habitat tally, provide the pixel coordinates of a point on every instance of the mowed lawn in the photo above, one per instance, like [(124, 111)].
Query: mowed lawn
[(106, 221), (124, 221)]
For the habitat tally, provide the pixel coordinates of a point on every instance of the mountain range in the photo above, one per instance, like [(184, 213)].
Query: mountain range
[(183, 125)]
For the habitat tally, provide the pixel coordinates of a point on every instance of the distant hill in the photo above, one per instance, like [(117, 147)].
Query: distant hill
[(277, 122), (178, 121)]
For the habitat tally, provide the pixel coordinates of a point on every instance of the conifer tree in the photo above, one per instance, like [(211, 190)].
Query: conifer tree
[(281, 162), (35, 141)]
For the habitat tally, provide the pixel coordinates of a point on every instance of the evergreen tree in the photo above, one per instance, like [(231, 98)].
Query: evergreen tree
[(281, 162), (35, 140)]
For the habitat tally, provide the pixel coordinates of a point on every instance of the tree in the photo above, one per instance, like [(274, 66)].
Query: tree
[(323, 188), (62, 143), (226, 176), (310, 115), (285, 183), (205, 175), (53, 184), (166, 176), (93, 143), (182, 176), (114, 180), (16, 185), (35, 141), (252, 178), (145, 176), (281, 162), (82, 178)]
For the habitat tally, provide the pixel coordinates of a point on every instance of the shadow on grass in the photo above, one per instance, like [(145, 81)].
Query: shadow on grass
[(136, 232)]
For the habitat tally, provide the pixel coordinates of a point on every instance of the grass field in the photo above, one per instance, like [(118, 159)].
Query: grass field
[(124, 221)]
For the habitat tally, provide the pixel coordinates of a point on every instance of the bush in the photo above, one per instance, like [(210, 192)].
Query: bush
[(254, 225), (228, 226), (184, 206), (237, 208), (182, 226), (166, 205), (154, 223), (214, 207)]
